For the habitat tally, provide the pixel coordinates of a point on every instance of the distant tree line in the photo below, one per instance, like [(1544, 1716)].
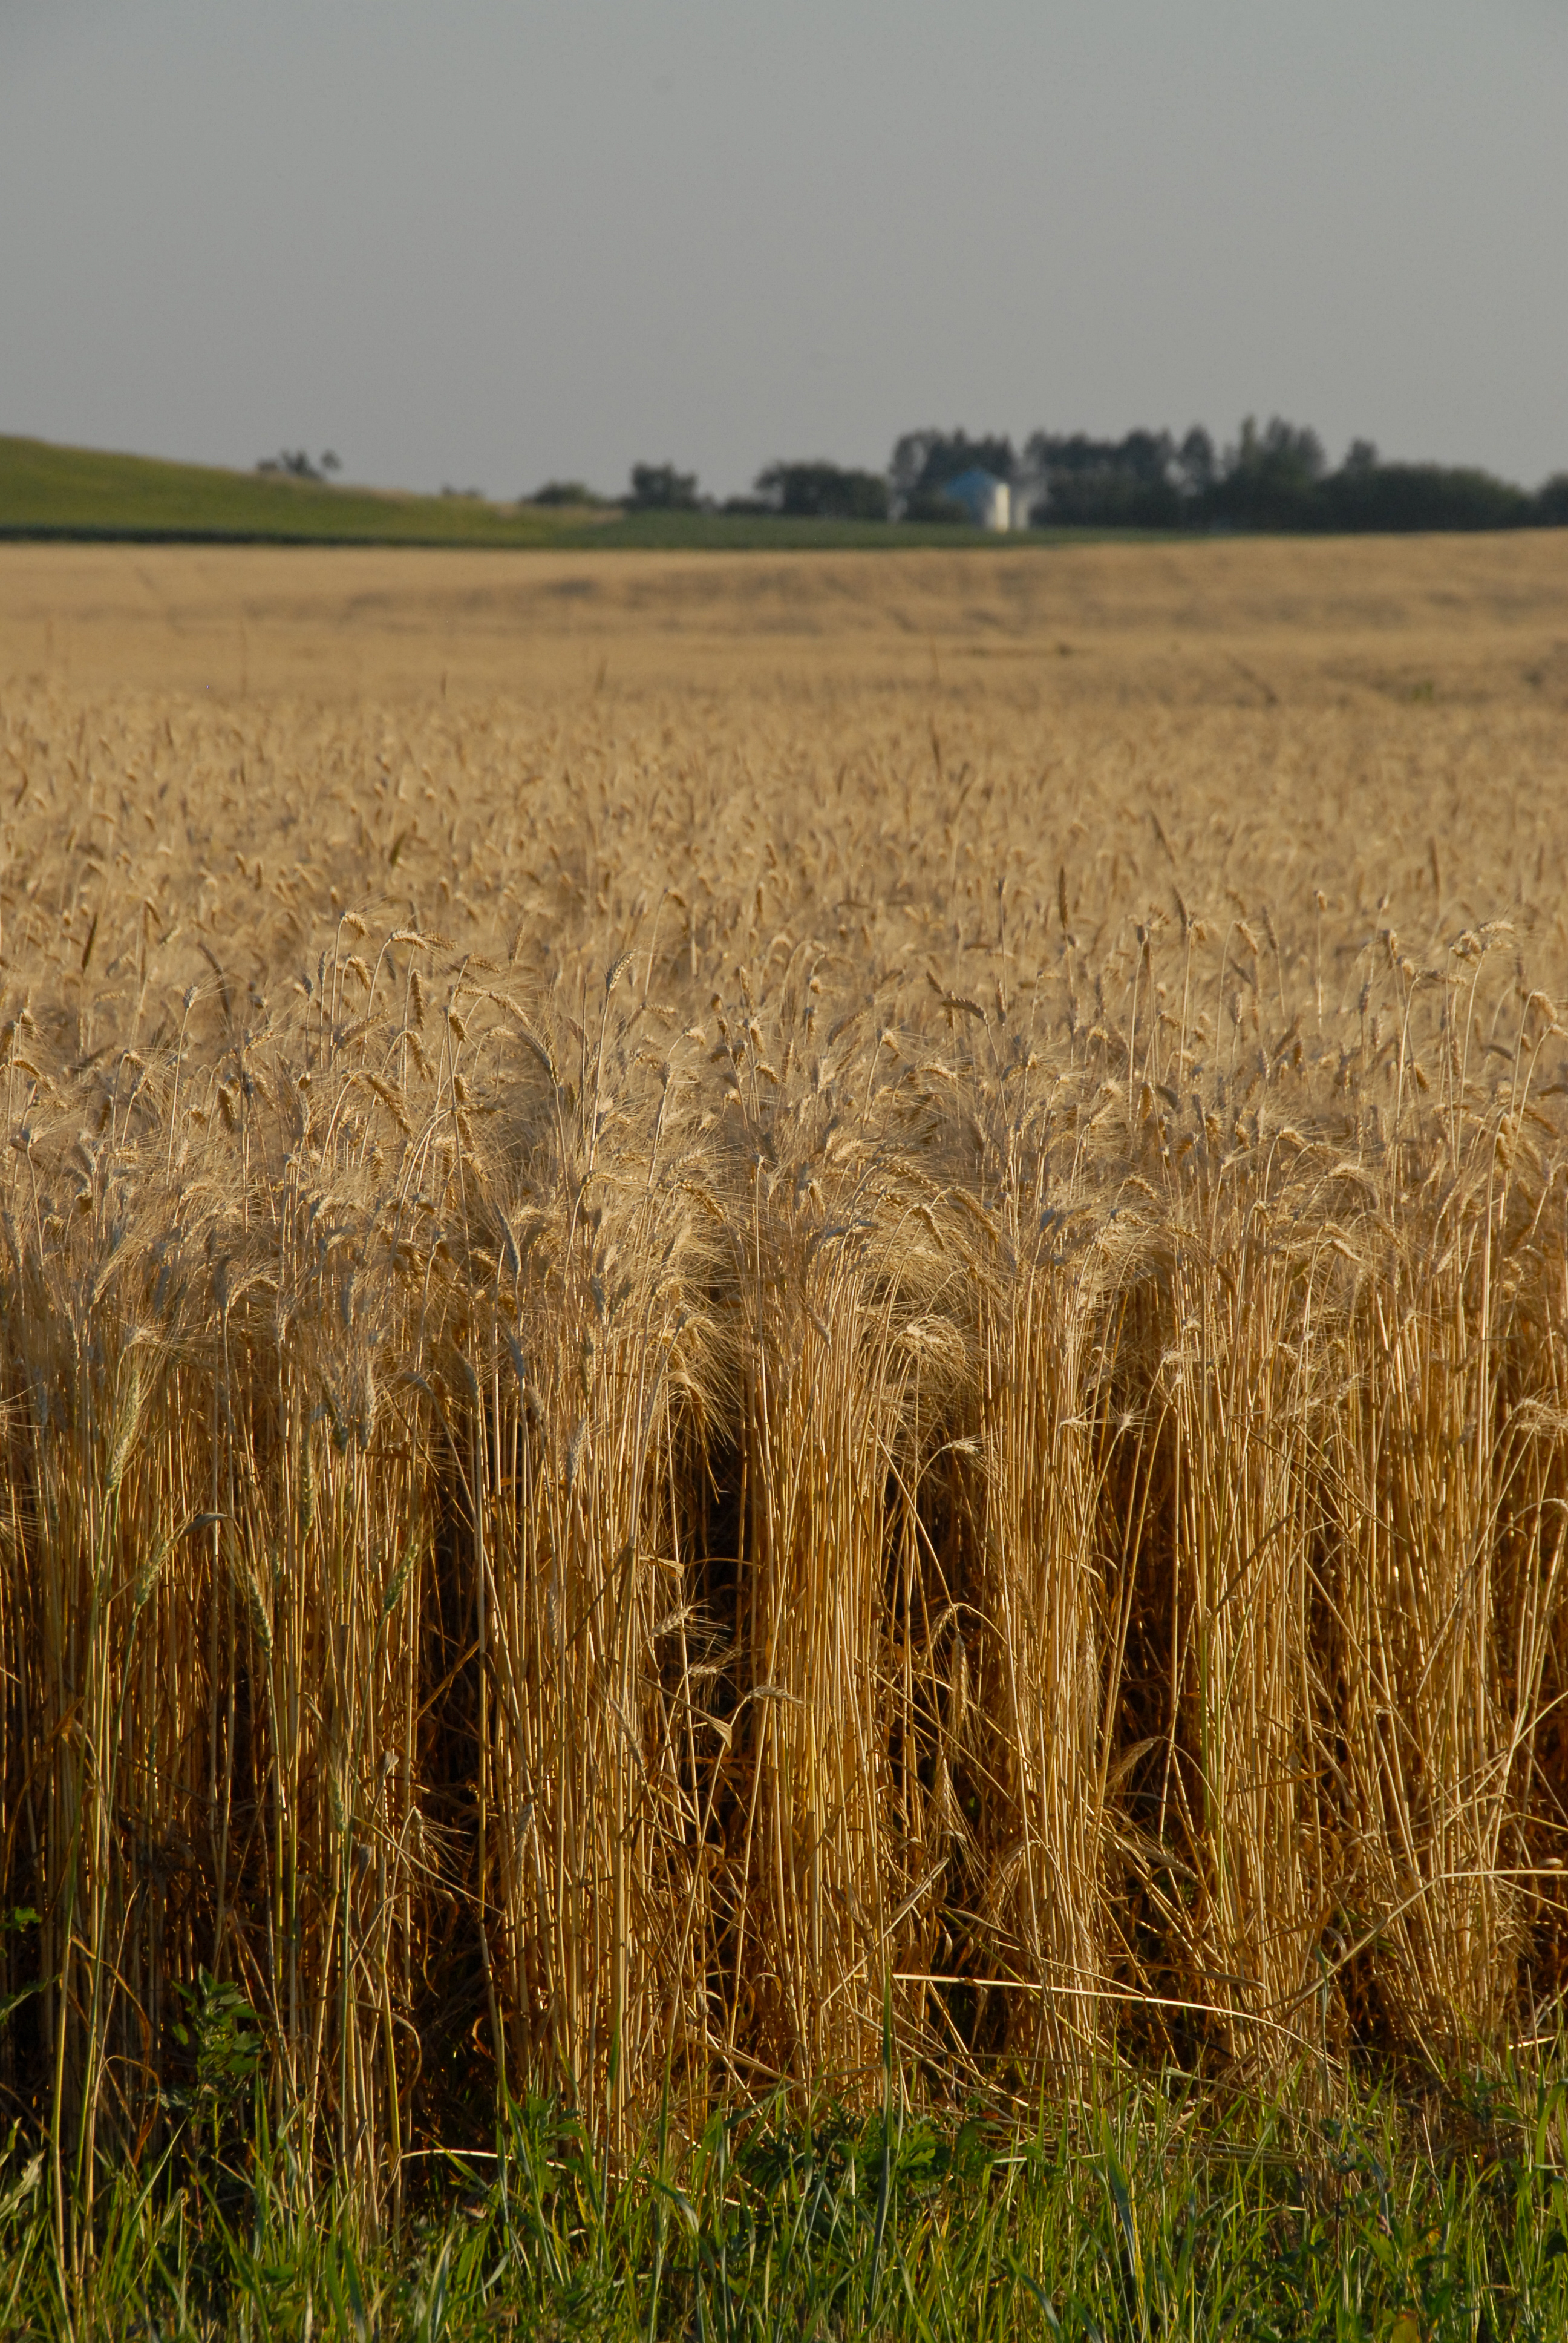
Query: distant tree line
[(817, 490), (1277, 477), (296, 463)]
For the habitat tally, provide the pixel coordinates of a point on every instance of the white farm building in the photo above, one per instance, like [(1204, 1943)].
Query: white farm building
[(987, 500)]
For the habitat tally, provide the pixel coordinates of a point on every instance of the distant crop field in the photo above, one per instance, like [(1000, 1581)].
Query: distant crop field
[(744, 1303), (1368, 625)]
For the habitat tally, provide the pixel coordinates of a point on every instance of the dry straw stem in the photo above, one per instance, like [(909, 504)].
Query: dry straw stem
[(662, 1364)]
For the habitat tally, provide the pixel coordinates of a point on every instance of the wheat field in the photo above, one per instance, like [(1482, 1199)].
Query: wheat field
[(746, 1302)]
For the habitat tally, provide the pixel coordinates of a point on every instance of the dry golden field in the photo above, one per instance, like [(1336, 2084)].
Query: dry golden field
[(1231, 623), (740, 1290)]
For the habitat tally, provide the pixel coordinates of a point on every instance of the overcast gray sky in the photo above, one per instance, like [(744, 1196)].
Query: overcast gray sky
[(489, 243)]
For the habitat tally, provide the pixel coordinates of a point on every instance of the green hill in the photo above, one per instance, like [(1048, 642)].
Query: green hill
[(79, 492), (48, 491)]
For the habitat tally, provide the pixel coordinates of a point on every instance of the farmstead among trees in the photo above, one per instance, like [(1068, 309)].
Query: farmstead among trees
[(1274, 477)]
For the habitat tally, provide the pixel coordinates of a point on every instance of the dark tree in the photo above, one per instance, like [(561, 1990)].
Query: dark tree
[(659, 488), (911, 454), (823, 491), (1137, 482), (1268, 476), (1281, 451), (1401, 498), (296, 463), (1552, 502), (562, 492), (1196, 463)]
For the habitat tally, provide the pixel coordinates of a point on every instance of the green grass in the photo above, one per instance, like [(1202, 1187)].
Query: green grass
[(47, 491), (1179, 2212)]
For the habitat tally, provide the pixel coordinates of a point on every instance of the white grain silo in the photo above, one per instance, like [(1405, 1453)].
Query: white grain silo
[(987, 500)]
